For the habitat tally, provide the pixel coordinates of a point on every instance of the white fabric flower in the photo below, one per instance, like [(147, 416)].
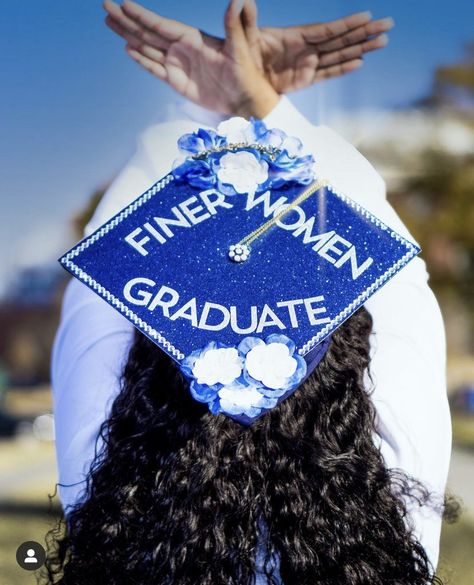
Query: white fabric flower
[(236, 130), (218, 366), (243, 171), (292, 146), (271, 364), (243, 397)]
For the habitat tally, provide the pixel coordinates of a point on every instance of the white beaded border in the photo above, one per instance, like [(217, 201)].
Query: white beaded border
[(151, 332), (412, 251), (102, 291)]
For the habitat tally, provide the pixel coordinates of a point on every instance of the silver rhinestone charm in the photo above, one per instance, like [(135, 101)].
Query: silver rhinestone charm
[(239, 252)]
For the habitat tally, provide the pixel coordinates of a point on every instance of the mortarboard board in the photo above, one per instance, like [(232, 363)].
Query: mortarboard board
[(239, 264)]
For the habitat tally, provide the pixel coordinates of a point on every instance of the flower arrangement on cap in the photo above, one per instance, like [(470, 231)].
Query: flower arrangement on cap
[(242, 157), (244, 380)]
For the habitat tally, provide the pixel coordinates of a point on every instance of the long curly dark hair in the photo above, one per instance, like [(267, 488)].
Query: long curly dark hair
[(177, 495)]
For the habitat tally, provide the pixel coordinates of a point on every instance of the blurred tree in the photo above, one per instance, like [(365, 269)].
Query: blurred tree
[(29, 315), (83, 217), (26, 340), (438, 203), (438, 206), (453, 85)]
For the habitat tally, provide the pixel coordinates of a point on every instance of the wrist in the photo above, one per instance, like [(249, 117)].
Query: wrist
[(258, 104)]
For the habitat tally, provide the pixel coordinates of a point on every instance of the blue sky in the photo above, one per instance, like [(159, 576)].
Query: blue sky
[(72, 103)]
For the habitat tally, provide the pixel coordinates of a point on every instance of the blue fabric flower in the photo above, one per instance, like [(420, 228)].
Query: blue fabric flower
[(244, 380), (273, 160)]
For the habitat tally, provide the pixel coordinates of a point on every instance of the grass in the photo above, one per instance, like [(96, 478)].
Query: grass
[(456, 564), (19, 523), (463, 430)]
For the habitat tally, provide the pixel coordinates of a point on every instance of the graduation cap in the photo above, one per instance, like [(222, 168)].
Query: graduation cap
[(239, 264)]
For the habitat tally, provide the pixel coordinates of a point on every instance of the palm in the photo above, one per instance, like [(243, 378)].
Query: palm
[(295, 57), (281, 55), (199, 67), (287, 61)]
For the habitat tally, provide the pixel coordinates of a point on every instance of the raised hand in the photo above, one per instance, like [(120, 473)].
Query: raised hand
[(298, 56), (226, 74), (220, 75)]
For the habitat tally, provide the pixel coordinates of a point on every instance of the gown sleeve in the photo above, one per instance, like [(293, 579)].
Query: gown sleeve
[(92, 340), (408, 347), (408, 385)]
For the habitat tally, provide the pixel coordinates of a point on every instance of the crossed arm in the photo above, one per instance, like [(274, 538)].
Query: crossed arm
[(245, 73)]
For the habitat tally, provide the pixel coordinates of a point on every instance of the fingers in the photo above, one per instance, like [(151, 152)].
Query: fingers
[(234, 30), (122, 31), (155, 55), (318, 33), (341, 53), (171, 30), (156, 69), (337, 70), (353, 52), (358, 35), (144, 47), (137, 43), (249, 21), (128, 28)]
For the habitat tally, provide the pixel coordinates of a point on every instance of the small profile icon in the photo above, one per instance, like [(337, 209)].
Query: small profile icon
[(30, 555)]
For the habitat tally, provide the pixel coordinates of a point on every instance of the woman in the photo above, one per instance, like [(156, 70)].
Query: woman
[(342, 483)]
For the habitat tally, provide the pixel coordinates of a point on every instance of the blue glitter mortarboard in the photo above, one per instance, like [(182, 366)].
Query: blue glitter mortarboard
[(240, 264)]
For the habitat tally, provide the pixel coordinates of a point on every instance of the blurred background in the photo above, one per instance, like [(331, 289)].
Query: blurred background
[(72, 105)]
